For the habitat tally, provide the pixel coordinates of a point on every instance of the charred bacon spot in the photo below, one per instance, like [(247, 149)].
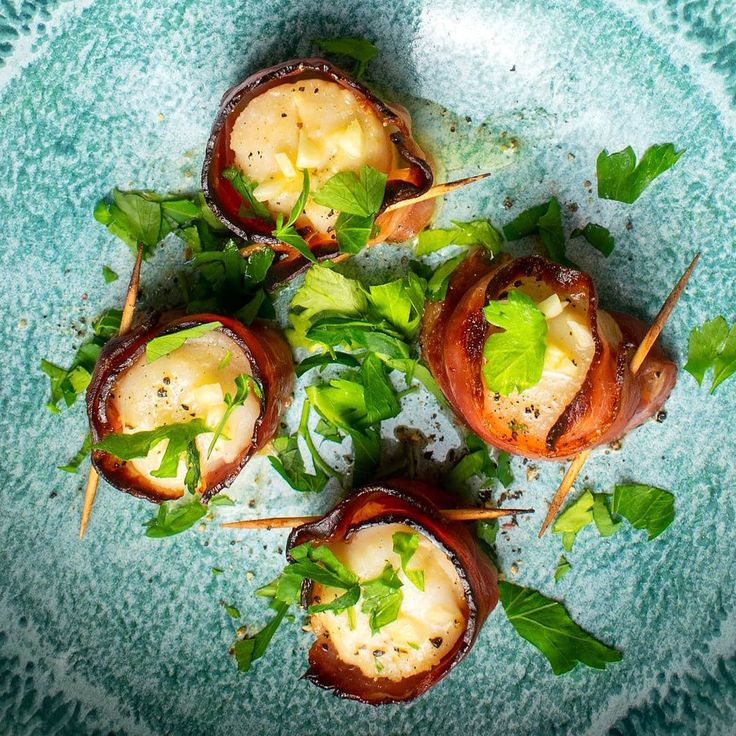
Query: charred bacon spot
[(374, 508), (408, 169), (599, 399), (121, 397)]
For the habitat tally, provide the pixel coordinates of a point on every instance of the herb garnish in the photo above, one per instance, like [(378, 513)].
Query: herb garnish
[(514, 359), (68, 383), (598, 236), (622, 179), (290, 465), (478, 462), (356, 48), (73, 465), (109, 275), (243, 385), (712, 346), (139, 444), (563, 567), (547, 625), (644, 506), (544, 220), (175, 517), (475, 232), (244, 187), (165, 344), (358, 200), (405, 544), (382, 598), (286, 231)]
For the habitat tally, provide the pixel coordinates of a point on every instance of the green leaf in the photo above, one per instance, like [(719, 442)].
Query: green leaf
[(525, 224), (704, 346), (382, 598), (109, 275), (290, 466), (79, 457), (322, 359), (246, 651), (193, 476), (546, 624), (514, 359), (598, 236), (328, 430), (244, 383), (544, 220), (440, 280), (257, 265), (602, 517), (353, 232), (356, 48), (405, 544), (503, 469), (165, 344), (342, 602), (724, 365), (622, 179), (142, 217), (174, 518), (139, 444), (231, 611), (475, 232), (400, 302), (379, 396), (244, 187), (181, 211), (576, 515), (366, 454), (353, 195), (645, 507), (291, 237), (301, 201), (563, 567)]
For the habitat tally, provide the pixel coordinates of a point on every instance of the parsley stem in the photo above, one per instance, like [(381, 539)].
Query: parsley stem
[(316, 457)]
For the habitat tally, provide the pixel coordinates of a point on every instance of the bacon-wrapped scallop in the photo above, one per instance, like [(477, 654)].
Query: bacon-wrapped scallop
[(309, 114), (183, 402), (586, 394), (438, 587)]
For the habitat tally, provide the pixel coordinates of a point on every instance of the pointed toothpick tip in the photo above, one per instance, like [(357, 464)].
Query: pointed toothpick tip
[(438, 190), (636, 362)]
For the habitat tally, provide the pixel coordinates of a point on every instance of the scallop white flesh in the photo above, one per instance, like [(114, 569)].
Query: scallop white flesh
[(187, 384), (429, 622), (314, 124)]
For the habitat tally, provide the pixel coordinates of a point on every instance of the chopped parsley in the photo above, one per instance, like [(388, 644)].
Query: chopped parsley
[(357, 198), (175, 517), (712, 347), (405, 544), (514, 358), (68, 383), (109, 275), (244, 383), (475, 232), (622, 179), (547, 625), (244, 187), (359, 49), (165, 344), (139, 444), (477, 462), (598, 236), (545, 221), (563, 567), (286, 231), (73, 465)]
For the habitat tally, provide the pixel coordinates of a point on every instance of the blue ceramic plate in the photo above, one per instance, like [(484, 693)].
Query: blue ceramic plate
[(125, 634)]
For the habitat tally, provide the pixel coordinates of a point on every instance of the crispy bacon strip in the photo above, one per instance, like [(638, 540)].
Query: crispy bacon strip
[(610, 402), (271, 364), (414, 178), (416, 504)]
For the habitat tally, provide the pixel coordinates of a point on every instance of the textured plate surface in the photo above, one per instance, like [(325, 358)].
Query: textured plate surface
[(125, 634)]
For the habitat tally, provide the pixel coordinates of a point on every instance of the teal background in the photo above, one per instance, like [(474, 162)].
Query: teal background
[(125, 634)]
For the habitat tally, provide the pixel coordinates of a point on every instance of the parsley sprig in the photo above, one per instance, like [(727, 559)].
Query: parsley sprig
[(381, 596), (286, 231), (712, 347), (244, 383)]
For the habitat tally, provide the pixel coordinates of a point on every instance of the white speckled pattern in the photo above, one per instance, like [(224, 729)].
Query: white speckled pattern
[(123, 634)]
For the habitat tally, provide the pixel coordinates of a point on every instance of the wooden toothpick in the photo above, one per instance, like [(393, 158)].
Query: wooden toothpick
[(125, 321), (437, 191), (287, 522), (636, 362)]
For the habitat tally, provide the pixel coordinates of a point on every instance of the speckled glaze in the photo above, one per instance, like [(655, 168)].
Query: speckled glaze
[(123, 634)]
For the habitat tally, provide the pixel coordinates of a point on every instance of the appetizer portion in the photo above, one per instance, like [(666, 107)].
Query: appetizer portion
[(309, 115), (527, 359), (425, 591), (181, 403)]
